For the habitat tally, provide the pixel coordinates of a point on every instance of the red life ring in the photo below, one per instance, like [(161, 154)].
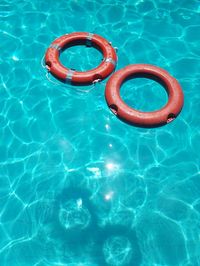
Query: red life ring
[(65, 74), (144, 119)]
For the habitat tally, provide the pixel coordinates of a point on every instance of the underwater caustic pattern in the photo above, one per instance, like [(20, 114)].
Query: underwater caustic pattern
[(77, 186)]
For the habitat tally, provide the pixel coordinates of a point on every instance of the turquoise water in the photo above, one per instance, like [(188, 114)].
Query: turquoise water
[(77, 186)]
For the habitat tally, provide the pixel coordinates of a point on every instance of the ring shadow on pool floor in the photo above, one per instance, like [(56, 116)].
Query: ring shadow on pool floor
[(74, 224)]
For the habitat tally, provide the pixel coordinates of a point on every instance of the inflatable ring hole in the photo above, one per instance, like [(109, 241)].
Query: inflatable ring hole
[(113, 108), (170, 117), (136, 88), (81, 58), (48, 65)]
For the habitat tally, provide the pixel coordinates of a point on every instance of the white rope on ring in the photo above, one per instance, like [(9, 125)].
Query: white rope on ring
[(42, 62), (68, 86)]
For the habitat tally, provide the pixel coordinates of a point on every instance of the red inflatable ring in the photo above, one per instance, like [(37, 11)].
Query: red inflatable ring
[(144, 119), (65, 74)]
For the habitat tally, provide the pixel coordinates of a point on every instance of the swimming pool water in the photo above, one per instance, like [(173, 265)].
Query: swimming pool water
[(77, 186)]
